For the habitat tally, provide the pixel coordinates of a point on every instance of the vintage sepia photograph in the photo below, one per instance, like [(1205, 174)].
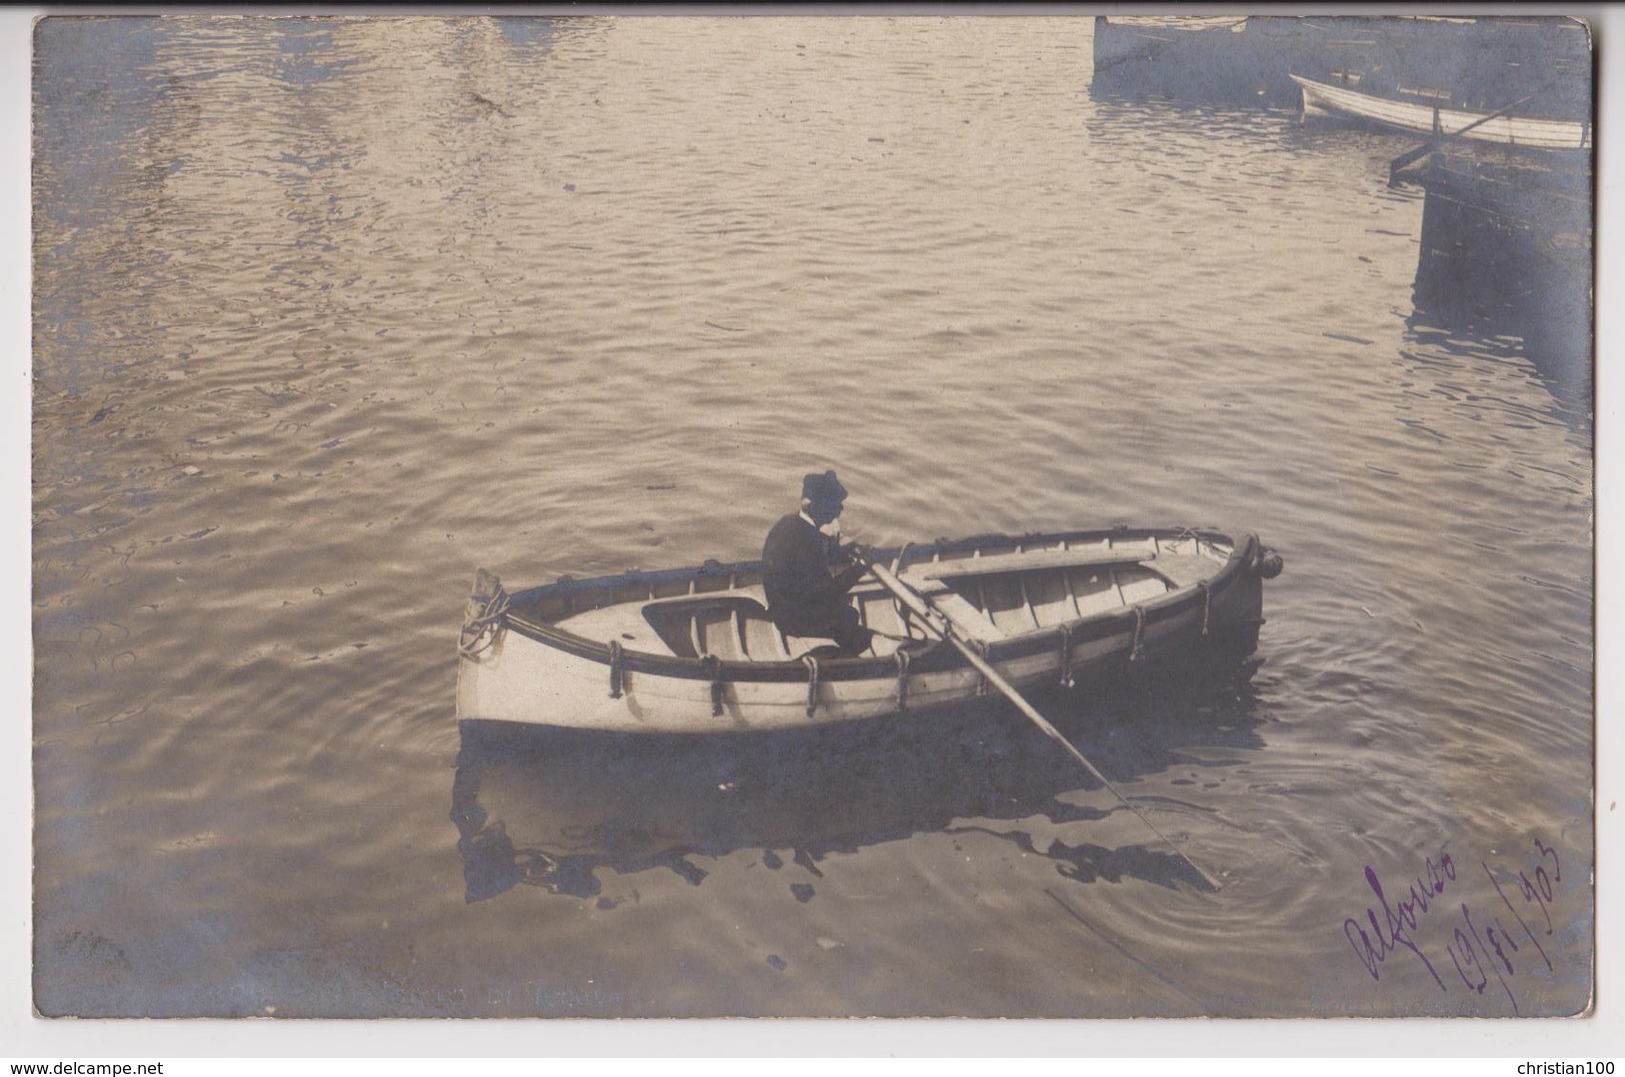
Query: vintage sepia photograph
[(1078, 514)]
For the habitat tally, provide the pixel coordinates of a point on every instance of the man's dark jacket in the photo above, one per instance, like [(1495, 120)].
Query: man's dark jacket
[(802, 597)]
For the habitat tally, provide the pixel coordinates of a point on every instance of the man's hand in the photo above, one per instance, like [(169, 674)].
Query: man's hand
[(858, 552)]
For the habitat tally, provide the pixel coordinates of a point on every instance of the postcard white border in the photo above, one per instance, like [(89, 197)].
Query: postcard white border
[(24, 1037)]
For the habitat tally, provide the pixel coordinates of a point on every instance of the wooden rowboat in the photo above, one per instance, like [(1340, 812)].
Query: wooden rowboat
[(1321, 98), (693, 650)]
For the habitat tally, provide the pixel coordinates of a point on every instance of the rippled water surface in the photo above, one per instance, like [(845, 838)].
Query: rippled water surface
[(331, 312)]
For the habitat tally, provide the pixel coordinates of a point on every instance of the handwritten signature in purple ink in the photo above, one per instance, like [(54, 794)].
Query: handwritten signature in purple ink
[(1392, 930)]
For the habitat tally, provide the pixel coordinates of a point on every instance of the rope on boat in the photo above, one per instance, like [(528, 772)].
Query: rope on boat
[(980, 647), (617, 668), (482, 630), (812, 683), (1066, 655), (1136, 652), (1192, 534), (713, 666), (902, 659), (1207, 604)]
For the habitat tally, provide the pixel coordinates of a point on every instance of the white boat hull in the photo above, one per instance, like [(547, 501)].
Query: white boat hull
[(1321, 98), (520, 680), (527, 672)]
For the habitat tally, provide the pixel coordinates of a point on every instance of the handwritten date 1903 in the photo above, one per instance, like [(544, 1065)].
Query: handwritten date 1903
[(1480, 946)]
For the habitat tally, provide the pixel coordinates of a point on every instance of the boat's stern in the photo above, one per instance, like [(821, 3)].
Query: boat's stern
[(1241, 611)]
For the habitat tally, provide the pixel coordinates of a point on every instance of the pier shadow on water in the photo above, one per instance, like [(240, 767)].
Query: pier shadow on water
[(547, 808), (1506, 255)]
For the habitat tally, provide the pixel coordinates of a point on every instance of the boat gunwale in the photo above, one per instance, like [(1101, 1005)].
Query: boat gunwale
[(932, 658)]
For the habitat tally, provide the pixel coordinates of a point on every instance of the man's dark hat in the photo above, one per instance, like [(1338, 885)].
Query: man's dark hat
[(825, 487)]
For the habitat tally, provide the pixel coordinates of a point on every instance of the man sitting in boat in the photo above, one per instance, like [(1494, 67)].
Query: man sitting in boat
[(807, 574)]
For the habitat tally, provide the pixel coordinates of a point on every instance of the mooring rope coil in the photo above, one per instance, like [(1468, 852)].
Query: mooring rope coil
[(481, 630)]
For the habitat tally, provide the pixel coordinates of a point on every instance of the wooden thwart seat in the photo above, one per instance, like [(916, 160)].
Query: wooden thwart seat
[(1184, 570), (732, 627)]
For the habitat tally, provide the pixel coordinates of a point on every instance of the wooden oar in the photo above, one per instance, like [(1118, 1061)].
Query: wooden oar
[(1410, 156), (943, 626)]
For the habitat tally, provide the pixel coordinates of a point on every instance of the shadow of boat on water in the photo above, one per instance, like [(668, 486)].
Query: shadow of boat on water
[(547, 807)]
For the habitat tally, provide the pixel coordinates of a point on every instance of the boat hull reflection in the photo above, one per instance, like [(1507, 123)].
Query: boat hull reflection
[(550, 808)]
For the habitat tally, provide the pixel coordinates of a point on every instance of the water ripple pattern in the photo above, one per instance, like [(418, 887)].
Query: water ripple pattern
[(331, 312)]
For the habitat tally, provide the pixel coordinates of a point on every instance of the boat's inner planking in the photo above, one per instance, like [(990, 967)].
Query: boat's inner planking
[(997, 590)]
